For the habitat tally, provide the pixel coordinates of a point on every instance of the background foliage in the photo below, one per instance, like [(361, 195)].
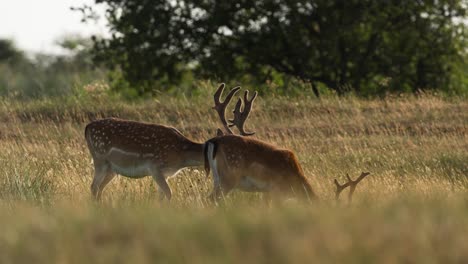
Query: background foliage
[(365, 46), (29, 76), (369, 48)]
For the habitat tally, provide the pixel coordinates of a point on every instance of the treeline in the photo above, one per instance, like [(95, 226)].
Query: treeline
[(30, 76), (364, 47), (369, 47)]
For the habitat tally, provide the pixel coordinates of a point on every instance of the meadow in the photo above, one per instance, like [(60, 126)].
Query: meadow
[(413, 208)]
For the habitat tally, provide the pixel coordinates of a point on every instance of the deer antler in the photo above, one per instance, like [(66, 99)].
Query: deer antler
[(240, 116), (352, 185), (220, 107)]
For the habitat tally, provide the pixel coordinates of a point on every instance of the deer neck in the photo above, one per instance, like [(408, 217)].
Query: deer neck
[(193, 154)]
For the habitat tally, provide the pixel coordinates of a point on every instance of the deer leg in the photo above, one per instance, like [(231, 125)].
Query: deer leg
[(214, 196), (109, 176), (216, 193), (102, 176), (268, 198), (165, 190), (226, 187), (219, 191), (218, 185), (222, 186)]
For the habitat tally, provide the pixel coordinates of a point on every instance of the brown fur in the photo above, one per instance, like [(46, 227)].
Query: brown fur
[(164, 147), (137, 137), (239, 157)]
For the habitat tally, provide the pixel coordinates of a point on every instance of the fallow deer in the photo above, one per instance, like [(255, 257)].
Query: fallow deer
[(240, 162), (137, 149)]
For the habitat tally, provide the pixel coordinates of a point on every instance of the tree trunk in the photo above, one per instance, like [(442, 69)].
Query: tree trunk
[(315, 89)]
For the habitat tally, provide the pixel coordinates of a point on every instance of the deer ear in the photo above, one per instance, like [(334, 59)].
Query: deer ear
[(219, 133)]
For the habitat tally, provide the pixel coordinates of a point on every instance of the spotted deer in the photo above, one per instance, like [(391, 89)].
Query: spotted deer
[(248, 164), (137, 149)]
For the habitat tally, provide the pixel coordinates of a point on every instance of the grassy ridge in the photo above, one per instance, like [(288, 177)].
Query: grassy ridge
[(412, 207)]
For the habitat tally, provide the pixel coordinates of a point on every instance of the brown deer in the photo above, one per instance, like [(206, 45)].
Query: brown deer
[(240, 162), (137, 149)]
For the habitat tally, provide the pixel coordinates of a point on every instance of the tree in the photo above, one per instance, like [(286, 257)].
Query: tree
[(46, 75), (360, 45), (9, 52)]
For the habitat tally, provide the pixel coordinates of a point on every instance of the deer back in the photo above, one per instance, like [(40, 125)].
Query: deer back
[(137, 137)]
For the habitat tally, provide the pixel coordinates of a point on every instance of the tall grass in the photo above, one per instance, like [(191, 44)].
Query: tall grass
[(412, 208)]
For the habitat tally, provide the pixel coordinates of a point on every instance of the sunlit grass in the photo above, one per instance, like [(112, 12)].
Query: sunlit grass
[(412, 208)]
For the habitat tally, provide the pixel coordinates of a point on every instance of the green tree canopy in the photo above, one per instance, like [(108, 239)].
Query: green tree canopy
[(361, 45), (9, 53)]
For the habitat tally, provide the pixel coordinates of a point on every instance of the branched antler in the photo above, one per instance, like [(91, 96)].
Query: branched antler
[(242, 113), (220, 107), (352, 185)]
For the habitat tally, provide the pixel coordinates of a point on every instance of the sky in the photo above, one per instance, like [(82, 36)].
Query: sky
[(36, 25)]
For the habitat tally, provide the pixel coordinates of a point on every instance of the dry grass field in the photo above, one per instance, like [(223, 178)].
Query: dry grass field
[(413, 208)]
